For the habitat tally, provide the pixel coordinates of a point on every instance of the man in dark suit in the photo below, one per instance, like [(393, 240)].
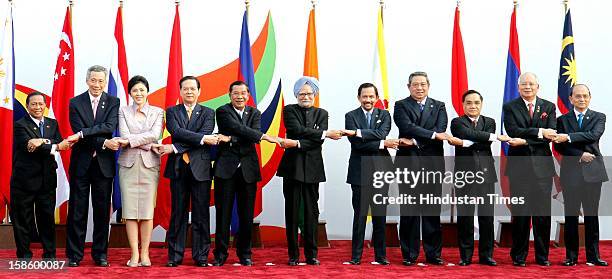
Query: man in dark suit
[(93, 118), (422, 122), (302, 167), (531, 122), (237, 171), (33, 183), (582, 173), (367, 128), (473, 155), (189, 170)]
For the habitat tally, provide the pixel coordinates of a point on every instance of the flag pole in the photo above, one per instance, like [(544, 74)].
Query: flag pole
[(565, 4), (382, 6), (247, 4)]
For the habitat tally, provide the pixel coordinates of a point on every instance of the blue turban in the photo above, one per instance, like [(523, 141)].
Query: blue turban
[(313, 82)]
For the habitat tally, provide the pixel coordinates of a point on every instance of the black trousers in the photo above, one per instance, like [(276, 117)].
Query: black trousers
[(24, 206), (183, 190), (78, 211), (536, 209), (587, 195), (294, 191), (465, 222), (226, 190), (362, 201), (420, 219)]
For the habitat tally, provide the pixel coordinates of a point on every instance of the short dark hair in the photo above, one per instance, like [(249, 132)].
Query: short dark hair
[(188, 78), (136, 80), (238, 83), (418, 74), (35, 93), (580, 84), (469, 92), (366, 85)]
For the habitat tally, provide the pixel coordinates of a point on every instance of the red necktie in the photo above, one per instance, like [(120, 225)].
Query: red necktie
[(530, 105)]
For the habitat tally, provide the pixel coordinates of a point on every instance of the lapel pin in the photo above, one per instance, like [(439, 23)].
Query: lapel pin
[(587, 117), (34, 128), (431, 106), (246, 112), (102, 107), (48, 127), (378, 121), (197, 112)]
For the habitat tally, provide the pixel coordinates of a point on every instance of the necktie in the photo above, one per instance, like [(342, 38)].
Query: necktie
[(369, 119), (189, 110), (41, 126), (474, 123), (421, 106), (580, 115), (530, 105), (185, 157), (94, 107)]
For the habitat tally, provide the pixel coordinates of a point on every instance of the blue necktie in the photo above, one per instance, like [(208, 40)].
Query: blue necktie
[(42, 129), (369, 119), (580, 115), (421, 106)]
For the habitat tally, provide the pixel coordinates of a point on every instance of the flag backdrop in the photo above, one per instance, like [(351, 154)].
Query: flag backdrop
[(459, 80), (7, 93), (311, 60), (567, 66), (117, 86), (63, 91), (175, 73), (380, 64), (513, 71)]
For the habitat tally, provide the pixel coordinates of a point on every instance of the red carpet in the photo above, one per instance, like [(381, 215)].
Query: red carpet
[(331, 266)]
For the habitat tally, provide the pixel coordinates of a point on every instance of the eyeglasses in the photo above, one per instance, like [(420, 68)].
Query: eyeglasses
[(423, 84), (531, 84), (305, 94)]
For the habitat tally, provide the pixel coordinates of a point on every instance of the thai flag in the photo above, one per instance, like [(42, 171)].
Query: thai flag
[(117, 86)]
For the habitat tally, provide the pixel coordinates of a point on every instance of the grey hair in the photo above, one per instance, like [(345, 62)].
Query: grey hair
[(418, 74), (98, 69), (523, 75)]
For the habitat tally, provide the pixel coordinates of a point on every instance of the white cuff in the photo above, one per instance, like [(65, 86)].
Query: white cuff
[(358, 133), (298, 144), (467, 143), (569, 139), (433, 136), (174, 149), (323, 134), (103, 144), (203, 138), (540, 135), (81, 134), (381, 145), (416, 143), (53, 149), (492, 137)]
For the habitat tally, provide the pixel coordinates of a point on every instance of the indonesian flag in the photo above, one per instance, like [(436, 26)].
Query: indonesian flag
[(380, 64), (63, 91)]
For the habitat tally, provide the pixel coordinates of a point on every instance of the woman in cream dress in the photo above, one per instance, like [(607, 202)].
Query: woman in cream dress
[(140, 127)]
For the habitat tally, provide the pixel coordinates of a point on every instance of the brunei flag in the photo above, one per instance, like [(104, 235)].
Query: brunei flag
[(567, 66)]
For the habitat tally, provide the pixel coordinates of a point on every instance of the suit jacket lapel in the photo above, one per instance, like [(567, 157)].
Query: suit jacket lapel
[(586, 120), (86, 107), (195, 114), (46, 127), (573, 122), (101, 108), (362, 123), (375, 117), (520, 106), (182, 114), (537, 112), (33, 127)]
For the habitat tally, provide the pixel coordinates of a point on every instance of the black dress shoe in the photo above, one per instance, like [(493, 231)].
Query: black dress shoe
[(488, 261), (172, 264), (382, 261), (246, 262), (519, 263), (355, 262), (465, 262), (73, 263), (408, 262), (293, 262), (570, 262), (435, 261), (219, 262), (313, 261), (598, 262), (102, 262), (543, 263), (202, 263)]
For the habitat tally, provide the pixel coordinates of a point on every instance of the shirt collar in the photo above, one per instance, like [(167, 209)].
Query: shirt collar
[(240, 112), (92, 98), (527, 103), (365, 112), (583, 113), (145, 108), (36, 120), (474, 119), (187, 107)]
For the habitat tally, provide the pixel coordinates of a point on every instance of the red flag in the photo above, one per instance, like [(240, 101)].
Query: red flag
[(63, 91), (7, 93), (175, 73), (459, 80)]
